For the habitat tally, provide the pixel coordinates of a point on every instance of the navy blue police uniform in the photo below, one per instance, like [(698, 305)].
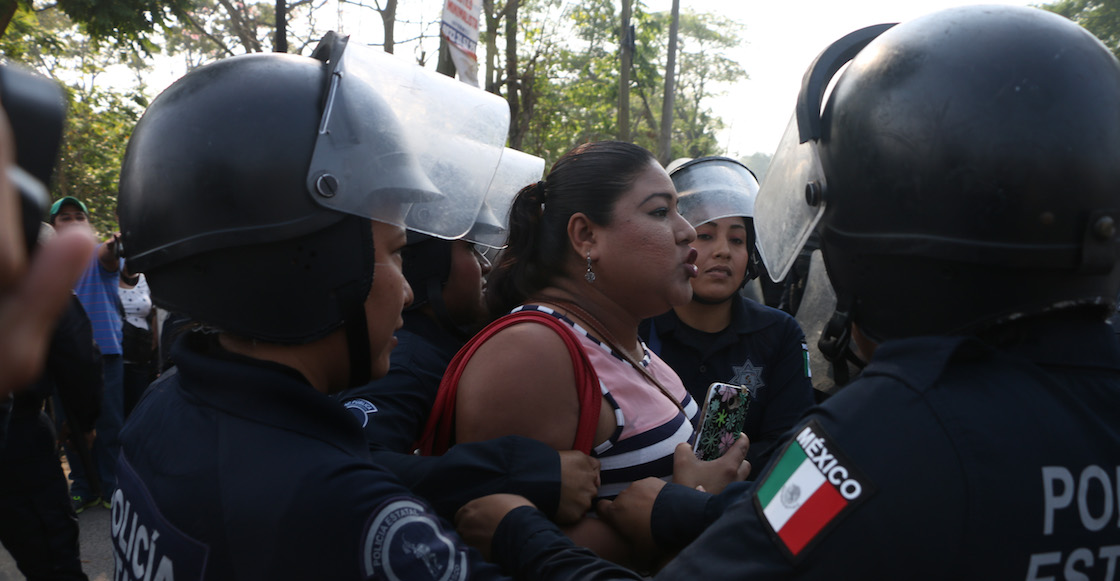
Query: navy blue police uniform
[(37, 522), (279, 480), (763, 349), (947, 459), (394, 409)]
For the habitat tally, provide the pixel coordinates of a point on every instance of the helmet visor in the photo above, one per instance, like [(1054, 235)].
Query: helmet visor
[(392, 130), (818, 302), (790, 202), (516, 170), (714, 188)]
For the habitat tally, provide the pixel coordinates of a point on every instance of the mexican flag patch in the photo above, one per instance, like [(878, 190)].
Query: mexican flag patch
[(811, 486)]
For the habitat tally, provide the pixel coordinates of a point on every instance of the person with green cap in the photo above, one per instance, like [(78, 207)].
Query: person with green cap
[(97, 291)]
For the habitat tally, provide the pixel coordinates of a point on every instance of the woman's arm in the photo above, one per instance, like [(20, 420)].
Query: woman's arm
[(519, 382)]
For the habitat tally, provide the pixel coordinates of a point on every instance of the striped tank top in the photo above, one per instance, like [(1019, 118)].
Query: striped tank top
[(648, 426)]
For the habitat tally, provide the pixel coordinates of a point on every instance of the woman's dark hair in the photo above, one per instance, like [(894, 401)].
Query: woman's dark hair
[(589, 179)]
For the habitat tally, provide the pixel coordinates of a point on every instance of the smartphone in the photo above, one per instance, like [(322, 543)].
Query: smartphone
[(721, 419)]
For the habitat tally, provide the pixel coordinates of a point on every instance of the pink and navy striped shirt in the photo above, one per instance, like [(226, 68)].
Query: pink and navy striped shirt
[(648, 426)]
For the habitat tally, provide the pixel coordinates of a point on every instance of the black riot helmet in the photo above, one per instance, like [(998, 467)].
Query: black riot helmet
[(248, 187), (963, 171)]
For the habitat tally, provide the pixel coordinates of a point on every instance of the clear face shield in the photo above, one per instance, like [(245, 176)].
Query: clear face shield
[(793, 196), (516, 170), (391, 131), (818, 302), (711, 188)]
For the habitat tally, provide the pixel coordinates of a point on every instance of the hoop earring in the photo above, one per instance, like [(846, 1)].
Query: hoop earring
[(589, 276)]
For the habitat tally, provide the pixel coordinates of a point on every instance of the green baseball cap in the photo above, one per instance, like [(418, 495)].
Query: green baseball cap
[(57, 205)]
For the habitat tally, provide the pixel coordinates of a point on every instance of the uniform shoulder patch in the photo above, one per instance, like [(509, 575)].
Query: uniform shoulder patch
[(404, 541), (361, 408), (809, 489)]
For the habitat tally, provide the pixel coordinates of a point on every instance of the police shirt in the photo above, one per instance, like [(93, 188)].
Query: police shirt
[(946, 459), (393, 409), (763, 349), (235, 468)]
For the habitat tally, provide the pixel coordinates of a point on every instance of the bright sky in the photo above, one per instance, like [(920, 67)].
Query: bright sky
[(782, 38)]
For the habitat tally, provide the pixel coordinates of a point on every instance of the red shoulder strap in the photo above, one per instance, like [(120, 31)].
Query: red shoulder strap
[(437, 435)]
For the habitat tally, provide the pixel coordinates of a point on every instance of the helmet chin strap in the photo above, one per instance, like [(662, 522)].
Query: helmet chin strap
[(835, 343), (357, 344)]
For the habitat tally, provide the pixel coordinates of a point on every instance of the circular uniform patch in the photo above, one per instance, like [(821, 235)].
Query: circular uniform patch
[(404, 542), (361, 408)]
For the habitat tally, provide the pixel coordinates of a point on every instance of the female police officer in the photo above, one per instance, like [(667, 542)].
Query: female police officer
[(264, 197)]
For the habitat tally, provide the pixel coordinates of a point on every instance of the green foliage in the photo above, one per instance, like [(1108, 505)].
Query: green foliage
[(1100, 17), (129, 22), (97, 131), (99, 120), (572, 69), (566, 84)]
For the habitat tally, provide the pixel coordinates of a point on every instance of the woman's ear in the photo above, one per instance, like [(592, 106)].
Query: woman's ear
[(581, 233)]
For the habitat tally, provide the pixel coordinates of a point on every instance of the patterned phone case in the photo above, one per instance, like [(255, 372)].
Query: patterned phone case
[(721, 419)]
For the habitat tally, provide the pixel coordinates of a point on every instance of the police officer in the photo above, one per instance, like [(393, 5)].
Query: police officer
[(448, 279), (720, 336), (964, 172), (264, 197)]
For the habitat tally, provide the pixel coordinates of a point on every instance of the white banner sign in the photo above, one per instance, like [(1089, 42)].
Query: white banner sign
[(460, 28)]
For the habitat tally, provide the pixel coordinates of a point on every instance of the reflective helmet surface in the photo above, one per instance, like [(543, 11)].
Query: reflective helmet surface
[(968, 171), (214, 208), (715, 187)]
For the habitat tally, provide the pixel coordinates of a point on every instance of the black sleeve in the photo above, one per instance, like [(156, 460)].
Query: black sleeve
[(529, 546), (681, 513), (74, 363), (511, 464), (5, 415)]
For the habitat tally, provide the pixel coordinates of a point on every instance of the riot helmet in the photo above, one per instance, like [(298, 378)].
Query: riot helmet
[(711, 188), (963, 172), (248, 185), (427, 259)]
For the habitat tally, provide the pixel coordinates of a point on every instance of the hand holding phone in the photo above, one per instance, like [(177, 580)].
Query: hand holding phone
[(721, 419)]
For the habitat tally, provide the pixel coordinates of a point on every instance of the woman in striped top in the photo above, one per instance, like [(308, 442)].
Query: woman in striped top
[(599, 245)]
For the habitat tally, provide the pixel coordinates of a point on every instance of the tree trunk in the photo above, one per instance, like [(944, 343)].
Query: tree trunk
[(513, 81), (624, 75), (492, 21), (7, 11), (281, 42), (664, 143), (388, 23)]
